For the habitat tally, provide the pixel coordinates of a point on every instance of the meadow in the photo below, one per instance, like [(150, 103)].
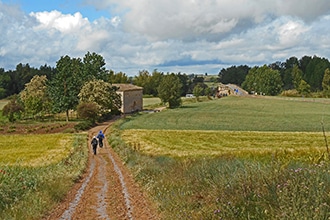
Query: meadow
[(232, 158)]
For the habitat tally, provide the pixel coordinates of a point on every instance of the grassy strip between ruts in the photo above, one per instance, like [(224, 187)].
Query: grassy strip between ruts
[(30, 192)]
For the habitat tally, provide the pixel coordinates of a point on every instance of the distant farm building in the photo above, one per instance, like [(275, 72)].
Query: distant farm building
[(131, 97), (223, 90)]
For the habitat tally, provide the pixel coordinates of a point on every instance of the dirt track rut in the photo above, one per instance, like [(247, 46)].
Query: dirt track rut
[(107, 190)]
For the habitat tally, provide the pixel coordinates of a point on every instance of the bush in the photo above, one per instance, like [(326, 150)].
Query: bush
[(85, 125), (87, 111)]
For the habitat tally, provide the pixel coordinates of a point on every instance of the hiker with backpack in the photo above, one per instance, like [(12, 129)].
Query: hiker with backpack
[(100, 136), (94, 144)]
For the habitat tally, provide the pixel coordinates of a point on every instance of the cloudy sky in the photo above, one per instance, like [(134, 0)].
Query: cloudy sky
[(189, 36)]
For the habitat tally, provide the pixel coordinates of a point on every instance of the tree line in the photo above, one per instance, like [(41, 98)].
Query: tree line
[(85, 84), (295, 76)]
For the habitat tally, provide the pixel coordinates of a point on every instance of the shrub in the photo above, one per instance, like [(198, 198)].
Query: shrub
[(85, 125), (88, 111)]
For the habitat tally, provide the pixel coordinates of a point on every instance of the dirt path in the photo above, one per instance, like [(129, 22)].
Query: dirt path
[(107, 190)]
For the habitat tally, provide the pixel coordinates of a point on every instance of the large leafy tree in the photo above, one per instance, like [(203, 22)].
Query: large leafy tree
[(117, 77), (34, 96), (103, 94), (13, 109), (198, 91), (143, 80), (169, 90), (154, 82), (304, 88), (314, 72), (66, 84), (263, 80), (94, 67), (234, 74)]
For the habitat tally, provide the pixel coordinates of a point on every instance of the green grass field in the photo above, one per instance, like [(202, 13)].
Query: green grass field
[(232, 158), (239, 114)]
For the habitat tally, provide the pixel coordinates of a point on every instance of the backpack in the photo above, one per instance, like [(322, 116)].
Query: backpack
[(94, 142)]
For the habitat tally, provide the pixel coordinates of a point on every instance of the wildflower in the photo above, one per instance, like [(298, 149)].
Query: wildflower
[(217, 211)]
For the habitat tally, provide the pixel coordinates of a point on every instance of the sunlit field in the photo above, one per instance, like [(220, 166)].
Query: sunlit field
[(232, 158), (36, 172), (34, 149), (243, 144)]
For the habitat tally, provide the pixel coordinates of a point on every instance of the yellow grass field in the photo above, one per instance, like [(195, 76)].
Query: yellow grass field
[(34, 149), (194, 143)]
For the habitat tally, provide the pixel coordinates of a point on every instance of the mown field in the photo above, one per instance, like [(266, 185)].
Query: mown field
[(232, 158)]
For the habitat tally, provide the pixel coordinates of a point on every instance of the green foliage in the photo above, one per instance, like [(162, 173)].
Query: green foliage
[(314, 72), (35, 97), (117, 77), (149, 82), (84, 125), (88, 111), (65, 86), (198, 90), (304, 88), (297, 76), (169, 90), (263, 80), (326, 83), (13, 109), (234, 74), (94, 67), (101, 93)]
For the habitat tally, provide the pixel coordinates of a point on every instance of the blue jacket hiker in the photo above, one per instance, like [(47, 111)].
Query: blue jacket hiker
[(100, 136), (94, 144)]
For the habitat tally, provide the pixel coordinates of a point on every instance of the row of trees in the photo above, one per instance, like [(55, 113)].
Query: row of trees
[(304, 75), (85, 85), (75, 82)]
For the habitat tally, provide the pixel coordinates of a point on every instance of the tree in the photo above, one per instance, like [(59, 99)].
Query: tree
[(88, 111), (66, 84), (263, 80), (185, 83), (304, 88), (143, 79), (103, 94), (154, 82), (234, 75), (169, 90), (13, 109), (117, 77), (34, 96), (198, 91), (326, 83), (94, 67), (315, 71), (296, 76)]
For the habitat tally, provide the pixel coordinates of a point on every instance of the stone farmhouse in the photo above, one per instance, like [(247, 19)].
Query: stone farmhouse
[(131, 97)]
